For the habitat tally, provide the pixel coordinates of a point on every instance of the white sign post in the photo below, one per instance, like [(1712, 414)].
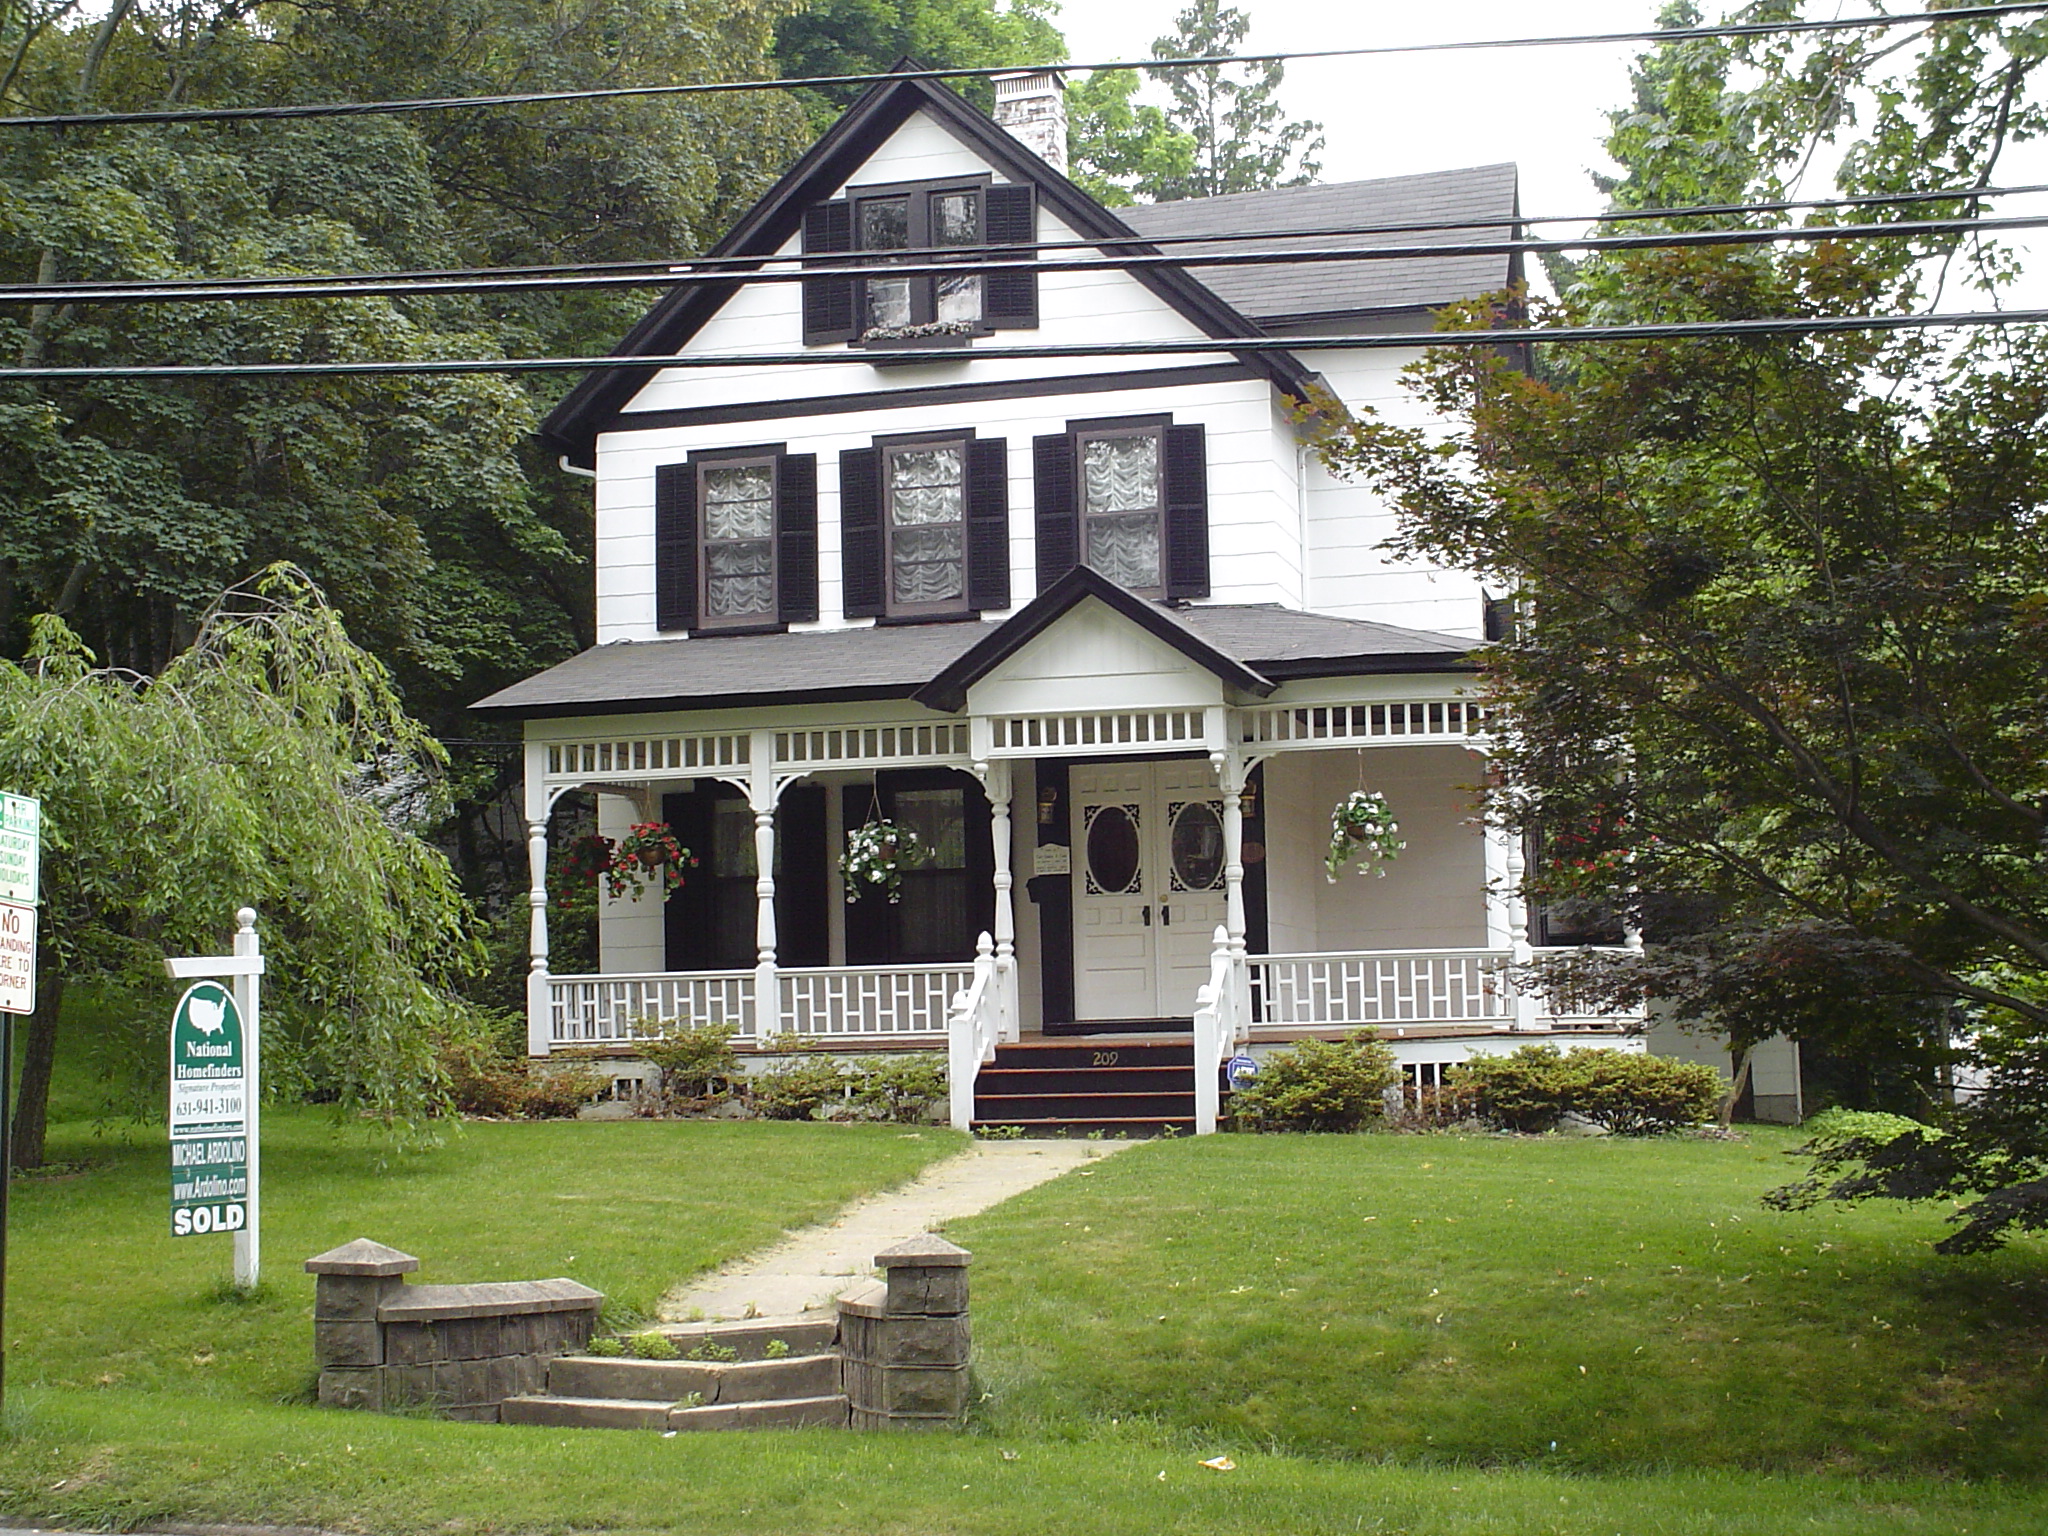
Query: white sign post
[(245, 965)]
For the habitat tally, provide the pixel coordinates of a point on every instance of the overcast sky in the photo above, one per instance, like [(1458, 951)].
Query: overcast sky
[(1543, 108)]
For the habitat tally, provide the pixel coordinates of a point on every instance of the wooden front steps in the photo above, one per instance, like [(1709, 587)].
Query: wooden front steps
[(1117, 1085), (754, 1375)]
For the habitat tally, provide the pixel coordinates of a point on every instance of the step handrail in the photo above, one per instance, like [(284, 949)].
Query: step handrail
[(1218, 1015), (973, 1026)]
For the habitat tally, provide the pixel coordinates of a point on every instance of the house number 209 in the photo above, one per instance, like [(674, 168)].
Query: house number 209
[(1105, 1058)]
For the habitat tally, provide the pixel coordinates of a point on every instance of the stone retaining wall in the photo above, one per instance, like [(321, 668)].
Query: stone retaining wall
[(383, 1344), (905, 1339)]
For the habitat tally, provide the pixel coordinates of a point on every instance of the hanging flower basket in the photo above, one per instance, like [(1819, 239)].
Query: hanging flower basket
[(648, 855), (876, 856), (1362, 832)]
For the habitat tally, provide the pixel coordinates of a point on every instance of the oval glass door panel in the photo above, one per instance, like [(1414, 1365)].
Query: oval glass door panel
[(1197, 847), (1113, 854)]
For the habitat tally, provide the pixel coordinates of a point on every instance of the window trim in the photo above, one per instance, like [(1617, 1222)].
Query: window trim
[(1121, 426), (962, 606), (923, 288), (771, 457)]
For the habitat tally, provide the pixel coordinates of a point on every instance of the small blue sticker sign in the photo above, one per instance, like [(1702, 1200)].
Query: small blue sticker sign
[(1240, 1070)]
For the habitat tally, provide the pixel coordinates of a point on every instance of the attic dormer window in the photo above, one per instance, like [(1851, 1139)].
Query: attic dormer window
[(922, 221)]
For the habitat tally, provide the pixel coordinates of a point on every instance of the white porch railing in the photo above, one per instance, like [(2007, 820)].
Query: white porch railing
[(614, 1010), (1220, 1023), (1375, 988), (974, 1024), (869, 1002)]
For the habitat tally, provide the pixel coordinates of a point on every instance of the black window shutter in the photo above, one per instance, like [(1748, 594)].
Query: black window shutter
[(868, 929), (1010, 217), (803, 900), (828, 301), (988, 523), (688, 915), (860, 533), (675, 546), (796, 538), (1055, 512), (1187, 512)]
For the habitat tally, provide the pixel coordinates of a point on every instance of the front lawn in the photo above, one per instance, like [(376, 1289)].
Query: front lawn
[(140, 1391), (1595, 1304)]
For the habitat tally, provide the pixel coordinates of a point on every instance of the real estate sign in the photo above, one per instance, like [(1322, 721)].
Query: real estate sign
[(21, 841), (209, 1114)]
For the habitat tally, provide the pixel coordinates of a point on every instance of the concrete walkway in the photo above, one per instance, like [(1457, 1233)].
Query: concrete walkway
[(810, 1267)]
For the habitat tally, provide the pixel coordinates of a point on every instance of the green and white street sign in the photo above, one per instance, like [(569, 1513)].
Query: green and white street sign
[(21, 840), (209, 1113)]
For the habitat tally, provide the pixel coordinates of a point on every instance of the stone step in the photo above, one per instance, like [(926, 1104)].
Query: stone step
[(583, 1413), (671, 1381), (1127, 1128), (1015, 1108), (828, 1412), (1054, 1055), (749, 1339)]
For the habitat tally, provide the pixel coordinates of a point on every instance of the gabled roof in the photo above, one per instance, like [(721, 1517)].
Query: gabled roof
[(572, 427), (948, 691), (1484, 195), (1251, 646)]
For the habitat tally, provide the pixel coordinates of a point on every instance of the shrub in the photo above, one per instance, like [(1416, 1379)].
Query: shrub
[(1526, 1090), (1319, 1085), (1832, 1127), (900, 1089), (488, 1074), (556, 1089), (696, 1060), (1634, 1095), (606, 1346), (653, 1345), (796, 1089), (1531, 1089)]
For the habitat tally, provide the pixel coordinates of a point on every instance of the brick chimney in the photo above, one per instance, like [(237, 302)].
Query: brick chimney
[(1033, 107)]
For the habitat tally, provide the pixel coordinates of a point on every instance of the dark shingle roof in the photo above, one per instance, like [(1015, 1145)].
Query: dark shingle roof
[(1484, 194), (894, 661)]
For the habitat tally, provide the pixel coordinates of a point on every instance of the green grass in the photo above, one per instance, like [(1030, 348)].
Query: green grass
[(1592, 1304), (140, 1391)]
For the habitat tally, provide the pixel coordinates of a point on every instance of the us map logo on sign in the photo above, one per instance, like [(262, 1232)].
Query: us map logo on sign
[(209, 1114)]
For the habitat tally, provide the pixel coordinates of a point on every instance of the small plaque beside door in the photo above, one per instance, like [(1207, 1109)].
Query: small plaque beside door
[(1052, 859)]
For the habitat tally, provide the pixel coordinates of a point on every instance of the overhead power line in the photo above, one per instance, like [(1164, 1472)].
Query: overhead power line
[(1682, 330), (289, 111), (869, 265)]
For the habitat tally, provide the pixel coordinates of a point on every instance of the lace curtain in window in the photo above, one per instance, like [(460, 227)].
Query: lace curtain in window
[(927, 544), (1120, 500), (739, 541)]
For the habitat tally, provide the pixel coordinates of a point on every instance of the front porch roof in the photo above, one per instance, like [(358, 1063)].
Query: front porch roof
[(1261, 642)]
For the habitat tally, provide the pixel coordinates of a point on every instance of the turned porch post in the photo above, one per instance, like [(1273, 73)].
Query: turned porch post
[(997, 781), (1232, 772), (1520, 951), (761, 798), (539, 1005)]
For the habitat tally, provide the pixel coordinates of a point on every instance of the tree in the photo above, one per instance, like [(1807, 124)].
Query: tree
[(1119, 147), (1243, 142), (1781, 688), (867, 37), (269, 765)]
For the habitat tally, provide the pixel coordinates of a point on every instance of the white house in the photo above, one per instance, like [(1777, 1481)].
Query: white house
[(1100, 629)]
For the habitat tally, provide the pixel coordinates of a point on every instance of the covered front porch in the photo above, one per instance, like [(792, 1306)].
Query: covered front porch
[(1131, 822)]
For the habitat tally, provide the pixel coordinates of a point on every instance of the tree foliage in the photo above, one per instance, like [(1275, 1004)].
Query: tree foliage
[(1243, 140), (865, 37), (1781, 689), (269, 765)]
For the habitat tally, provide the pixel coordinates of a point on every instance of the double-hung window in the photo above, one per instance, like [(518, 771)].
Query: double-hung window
[(736, 540), (924, 526), (917, 223), (1128, 498)]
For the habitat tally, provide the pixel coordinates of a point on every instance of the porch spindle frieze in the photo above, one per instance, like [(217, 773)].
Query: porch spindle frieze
[(1414, 722), (1112, 733)]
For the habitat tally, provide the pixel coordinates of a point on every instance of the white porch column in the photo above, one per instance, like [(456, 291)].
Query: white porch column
[(539, 1005), (1520, 952), (1233, 771), (761, 797), (997, 781)]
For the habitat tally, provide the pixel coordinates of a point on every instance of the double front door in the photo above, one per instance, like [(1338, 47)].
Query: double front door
[(1148, 886)]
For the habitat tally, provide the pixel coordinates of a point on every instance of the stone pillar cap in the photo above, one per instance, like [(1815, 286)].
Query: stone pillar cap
[(362, 1257), (927, 1251)]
